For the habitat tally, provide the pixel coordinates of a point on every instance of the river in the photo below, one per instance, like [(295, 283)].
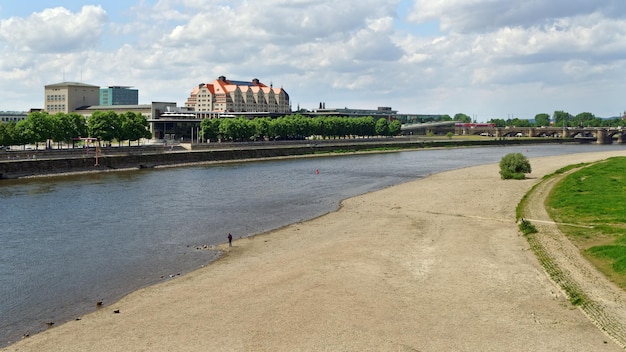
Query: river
[(68, 242)]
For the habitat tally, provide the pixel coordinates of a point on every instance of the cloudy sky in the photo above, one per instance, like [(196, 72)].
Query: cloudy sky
[(485, 58)]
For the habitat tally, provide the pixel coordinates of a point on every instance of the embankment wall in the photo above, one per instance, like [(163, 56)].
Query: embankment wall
[(47, 163)]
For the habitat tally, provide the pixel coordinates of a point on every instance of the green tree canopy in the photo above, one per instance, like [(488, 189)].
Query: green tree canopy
[(382, 127), (134, 126), (542, 120), (462, 118), (103, 125), (210, 129), (561, 118)]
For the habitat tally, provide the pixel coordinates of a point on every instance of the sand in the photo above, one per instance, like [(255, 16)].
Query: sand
[(436, 264)]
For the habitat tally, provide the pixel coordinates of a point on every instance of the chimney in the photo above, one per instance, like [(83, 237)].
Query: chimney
[(222, 78)]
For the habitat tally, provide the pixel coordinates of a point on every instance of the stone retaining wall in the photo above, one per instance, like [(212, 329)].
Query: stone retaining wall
[(46, 164)]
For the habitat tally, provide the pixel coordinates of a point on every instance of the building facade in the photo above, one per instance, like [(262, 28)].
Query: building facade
[(118, 95), (12, 116), (223, 95), (68, 96)]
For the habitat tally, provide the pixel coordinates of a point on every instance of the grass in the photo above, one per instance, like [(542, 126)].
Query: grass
[(595, 196)]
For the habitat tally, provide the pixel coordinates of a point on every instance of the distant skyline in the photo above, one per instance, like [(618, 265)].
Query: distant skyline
[(484, 58)]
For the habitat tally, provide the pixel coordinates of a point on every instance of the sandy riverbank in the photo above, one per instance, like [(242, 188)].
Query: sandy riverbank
[(432, 265)]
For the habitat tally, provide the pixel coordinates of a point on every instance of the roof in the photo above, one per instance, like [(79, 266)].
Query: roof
[(70, 84), (115, 107)]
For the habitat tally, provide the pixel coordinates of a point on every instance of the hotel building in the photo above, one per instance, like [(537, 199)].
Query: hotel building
[(223, 95)]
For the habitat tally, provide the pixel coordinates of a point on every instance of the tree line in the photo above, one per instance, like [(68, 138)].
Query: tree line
[(107, 126), (560, 119), (296, 126)]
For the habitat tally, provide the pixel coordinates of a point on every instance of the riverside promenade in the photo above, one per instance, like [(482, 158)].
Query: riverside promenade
[(29, 163)]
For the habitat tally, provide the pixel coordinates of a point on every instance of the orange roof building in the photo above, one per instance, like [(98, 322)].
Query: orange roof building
[(223, 95)]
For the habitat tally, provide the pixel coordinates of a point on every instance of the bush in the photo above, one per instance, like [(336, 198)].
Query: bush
[(527, 227), (514, 166)]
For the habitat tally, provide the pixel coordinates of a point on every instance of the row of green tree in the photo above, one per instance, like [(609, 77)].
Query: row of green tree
[(560, 119), (296, 126), (106, 126)]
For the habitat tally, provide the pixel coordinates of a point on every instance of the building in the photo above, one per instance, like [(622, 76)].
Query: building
[(159, 127), (68, 96), (223, 95), (12, 116), (118, 95)]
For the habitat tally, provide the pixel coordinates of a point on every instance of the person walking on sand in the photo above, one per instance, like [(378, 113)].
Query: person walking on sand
[(230, 240)]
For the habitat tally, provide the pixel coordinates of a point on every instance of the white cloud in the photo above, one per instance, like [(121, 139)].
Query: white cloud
[(54, 30), (467, 16), (488, 57)]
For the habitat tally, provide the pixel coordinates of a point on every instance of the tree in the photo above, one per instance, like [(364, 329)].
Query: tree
[(561, 118), (261, 127), (6, 133), (102, 125), (367, 126), (65, 127), (498, 122), (60, 127), (210, 129), (134, 126), (542, 120), (514, 166), (395, 127), (584, 119), (518, 122), (238, 129), (382, 127), (77, 125), (462, 118), (36, 128)]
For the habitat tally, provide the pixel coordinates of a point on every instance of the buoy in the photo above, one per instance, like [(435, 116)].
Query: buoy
[(317, 171)]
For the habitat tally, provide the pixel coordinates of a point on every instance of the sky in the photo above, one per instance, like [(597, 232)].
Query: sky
[(483, 58)]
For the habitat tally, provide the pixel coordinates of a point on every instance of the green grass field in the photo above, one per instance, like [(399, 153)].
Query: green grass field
[(595, 196)]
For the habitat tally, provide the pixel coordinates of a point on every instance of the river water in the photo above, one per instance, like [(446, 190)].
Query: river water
[(68, 242)]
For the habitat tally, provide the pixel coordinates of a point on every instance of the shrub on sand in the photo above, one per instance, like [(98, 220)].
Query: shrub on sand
[(514, 166)]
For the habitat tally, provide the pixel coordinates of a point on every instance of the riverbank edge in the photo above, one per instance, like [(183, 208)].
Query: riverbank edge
[(50, 166)]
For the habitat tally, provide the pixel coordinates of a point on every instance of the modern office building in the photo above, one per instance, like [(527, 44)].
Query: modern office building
[(118, 95), (223, 95), (69, 96)]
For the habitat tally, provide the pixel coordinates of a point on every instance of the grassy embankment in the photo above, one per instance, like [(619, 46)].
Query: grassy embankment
[(595, 196), (593, 199)]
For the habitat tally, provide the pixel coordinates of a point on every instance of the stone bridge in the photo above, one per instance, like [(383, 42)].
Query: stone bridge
[(599, 135)]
